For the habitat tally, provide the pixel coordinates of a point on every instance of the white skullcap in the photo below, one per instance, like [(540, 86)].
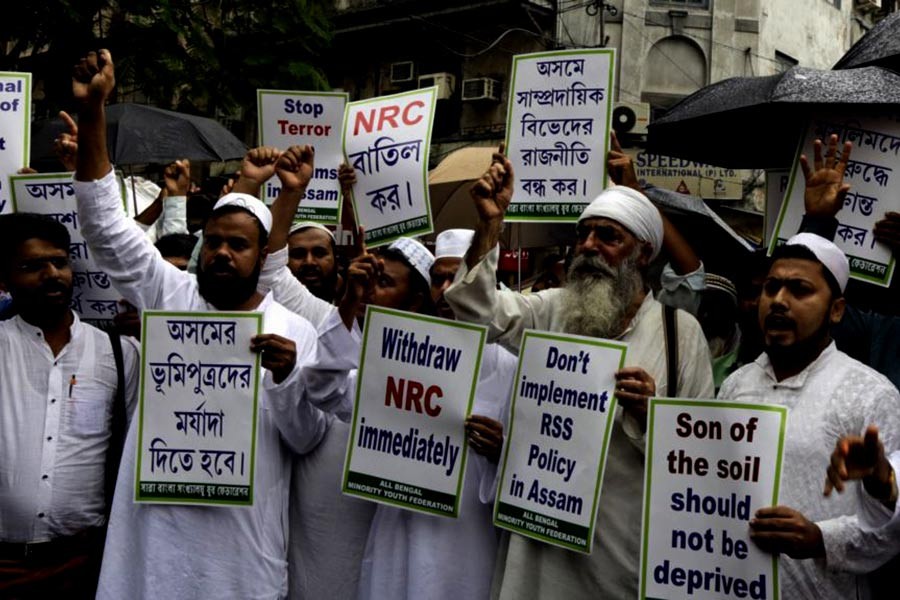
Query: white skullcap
[(831, 257), (417, 255), (453, 243), (311, 225), (250, 203), (633, 210)]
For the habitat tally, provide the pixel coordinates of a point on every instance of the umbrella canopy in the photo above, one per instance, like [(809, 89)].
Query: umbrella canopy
[(452, 207), (879, 47), (756, 122), (138, 134)]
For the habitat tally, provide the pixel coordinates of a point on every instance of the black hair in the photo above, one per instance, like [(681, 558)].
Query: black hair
[(418, 283), (176, 244), (16, 229), (230, 209), (804, 253)]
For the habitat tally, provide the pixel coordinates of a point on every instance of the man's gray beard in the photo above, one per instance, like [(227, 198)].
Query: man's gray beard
[(597, 296)]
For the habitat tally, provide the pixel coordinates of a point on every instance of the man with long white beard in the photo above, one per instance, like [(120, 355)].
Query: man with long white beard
[(618, 235)]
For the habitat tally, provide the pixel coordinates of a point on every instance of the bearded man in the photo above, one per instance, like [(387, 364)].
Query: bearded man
[(618, 235)]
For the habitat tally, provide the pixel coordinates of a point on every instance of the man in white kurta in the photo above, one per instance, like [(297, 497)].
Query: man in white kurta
[(155, 551), (618, 218), (832, 395)]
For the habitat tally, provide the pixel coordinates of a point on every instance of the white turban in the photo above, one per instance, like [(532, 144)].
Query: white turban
[(453, 243), (831, 257), (417, 255), (311, 225), (633, 210), (250, 203)]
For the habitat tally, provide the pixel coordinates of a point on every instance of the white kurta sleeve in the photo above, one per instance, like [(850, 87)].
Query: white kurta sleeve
[(329, 384), (301, 425), (851, 543), (474, 298), (119, 247), (174, 217), (695, 376), (290, 293)]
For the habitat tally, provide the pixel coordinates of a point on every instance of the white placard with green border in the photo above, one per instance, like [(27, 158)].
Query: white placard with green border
[(288, 118), (415, 388), (557, 131), (198, 408), (563, 410), (93, 296), (873, 173), (709, 467), (15, 130), (387, 141)]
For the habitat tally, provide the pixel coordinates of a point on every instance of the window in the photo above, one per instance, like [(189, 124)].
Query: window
[(785, 61)]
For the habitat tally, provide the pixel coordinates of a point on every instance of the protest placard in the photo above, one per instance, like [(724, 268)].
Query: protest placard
[(415, 387), (562, 414), (557, 131), (289, 118), (15, 130), (776, 186), (710, 466), (198, 408), (52, 194), (874, 174), (387, 140)]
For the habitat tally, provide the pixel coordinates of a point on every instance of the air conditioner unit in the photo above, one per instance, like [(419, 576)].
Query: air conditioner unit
[(481, 88), (403, 72), (445, 82), (631, 117), (867, 5)]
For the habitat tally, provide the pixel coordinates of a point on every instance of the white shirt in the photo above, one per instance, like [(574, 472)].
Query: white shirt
[(172, 220), (407, 554), (156, 551), (54, 435), (530, 569), (291, 293), (834, 396)]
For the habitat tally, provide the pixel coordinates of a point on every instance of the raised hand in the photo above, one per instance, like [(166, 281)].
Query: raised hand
[(362, 274), (66, 144), (347, 179), (825, 187), (856, 457), (887, 231), (259, 164), (94, 78), (493, 192), (177, 176), (295, 167), (620, 166)]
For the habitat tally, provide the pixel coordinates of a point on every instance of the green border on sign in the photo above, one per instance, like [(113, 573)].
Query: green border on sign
[(777, 239), (429, 228), (323, 216), (648, 468), (613, 403), (509, 110), (138, 497), (26, 111), (41, 176), (482, 331)]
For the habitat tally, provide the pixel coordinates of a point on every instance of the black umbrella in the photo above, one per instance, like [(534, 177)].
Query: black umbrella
[(879, 47), (756, 122), (140, 134)]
